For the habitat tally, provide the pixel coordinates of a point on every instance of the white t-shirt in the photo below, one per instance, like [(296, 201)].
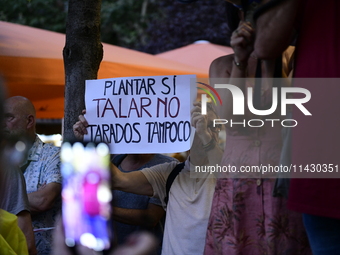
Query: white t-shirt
[(188, 208)]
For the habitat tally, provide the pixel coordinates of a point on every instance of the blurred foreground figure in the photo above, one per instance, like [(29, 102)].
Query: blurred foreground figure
[(13, 191), (16, 235), (141, 243), (315, 140), (132, 212), (41, 169)]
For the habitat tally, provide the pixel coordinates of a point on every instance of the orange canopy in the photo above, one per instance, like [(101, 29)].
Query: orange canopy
[(31, 62), (199, 54)]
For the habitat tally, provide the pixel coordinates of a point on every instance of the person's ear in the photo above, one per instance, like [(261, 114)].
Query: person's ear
[(30, 121)]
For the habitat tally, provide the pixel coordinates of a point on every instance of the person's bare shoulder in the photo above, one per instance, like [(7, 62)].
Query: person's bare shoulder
[(221, 67)]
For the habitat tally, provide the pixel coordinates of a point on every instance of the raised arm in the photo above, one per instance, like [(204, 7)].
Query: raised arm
[(275, 29), (205, 148), (232, 69), (133, 182)]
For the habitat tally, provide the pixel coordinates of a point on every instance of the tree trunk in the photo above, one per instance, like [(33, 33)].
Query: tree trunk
[(82, 54)]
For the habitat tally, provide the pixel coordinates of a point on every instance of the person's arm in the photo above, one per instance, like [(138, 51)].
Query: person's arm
[(143, 217), (220, 72), (44, 198), (133, 182), (275, 29), (25, 224), (232, 69), (199, 155)]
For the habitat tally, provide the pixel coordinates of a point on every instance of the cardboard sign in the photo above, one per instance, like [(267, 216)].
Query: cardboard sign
[(141, 114)]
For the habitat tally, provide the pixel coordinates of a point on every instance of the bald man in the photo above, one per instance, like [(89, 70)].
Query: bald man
[(41, 168)]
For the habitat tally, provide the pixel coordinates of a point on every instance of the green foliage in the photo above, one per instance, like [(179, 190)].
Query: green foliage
[(151, 26), (124, 22), (186, 23), (46, 14)]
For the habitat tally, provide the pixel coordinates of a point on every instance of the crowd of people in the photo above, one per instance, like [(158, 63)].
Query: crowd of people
[(205, 214)]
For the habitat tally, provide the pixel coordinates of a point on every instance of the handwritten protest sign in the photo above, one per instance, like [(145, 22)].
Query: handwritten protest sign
[(141, 114)]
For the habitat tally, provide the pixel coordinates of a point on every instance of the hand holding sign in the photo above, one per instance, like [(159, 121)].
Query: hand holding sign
[(140, 114), (80, 127)]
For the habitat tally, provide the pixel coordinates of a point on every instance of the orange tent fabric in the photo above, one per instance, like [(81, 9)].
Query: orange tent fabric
[(31, 62), (199, 54)]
